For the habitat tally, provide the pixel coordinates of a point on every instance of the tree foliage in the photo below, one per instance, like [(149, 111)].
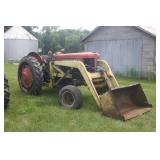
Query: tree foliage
[(54, 38), (28, 28), (6, 28)]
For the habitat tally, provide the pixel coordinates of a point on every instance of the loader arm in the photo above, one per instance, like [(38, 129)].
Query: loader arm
[(85, 74), (118, 102), (109, 74)]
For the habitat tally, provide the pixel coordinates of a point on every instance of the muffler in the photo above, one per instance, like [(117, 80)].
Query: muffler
[(125, 102)]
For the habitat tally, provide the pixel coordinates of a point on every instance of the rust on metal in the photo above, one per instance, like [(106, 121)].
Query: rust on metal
[(26, 77), (117, 102), (125, 102)]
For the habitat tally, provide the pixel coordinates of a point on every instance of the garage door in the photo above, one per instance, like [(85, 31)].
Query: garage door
[(122, 55)]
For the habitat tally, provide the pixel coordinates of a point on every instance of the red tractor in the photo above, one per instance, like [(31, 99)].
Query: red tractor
[(70, 70)]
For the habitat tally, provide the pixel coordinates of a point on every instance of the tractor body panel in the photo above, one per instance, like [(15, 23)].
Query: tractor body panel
[(78, 56)]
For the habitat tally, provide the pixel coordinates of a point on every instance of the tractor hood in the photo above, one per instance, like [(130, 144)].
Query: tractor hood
[(81, 55)]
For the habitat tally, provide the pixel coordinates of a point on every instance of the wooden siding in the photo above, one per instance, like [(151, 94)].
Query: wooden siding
[(148, 57), (125, 48), (122, 55), (116, 33)]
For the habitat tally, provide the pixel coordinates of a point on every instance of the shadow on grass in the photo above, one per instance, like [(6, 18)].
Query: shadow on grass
[(51, 97)]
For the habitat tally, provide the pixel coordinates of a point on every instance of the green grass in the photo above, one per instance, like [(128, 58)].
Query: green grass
[(43, 113)]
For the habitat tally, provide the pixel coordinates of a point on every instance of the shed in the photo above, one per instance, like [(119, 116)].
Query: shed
[(18, 43), (129, 50)]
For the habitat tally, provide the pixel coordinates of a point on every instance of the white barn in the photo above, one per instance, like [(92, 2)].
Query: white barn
[(17, 43)]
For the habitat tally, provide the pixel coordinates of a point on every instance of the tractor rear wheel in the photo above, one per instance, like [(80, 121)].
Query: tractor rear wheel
[(70, 97), (30, 75), (6, 92)]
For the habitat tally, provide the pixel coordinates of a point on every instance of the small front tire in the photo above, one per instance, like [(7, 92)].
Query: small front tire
[(70, 97)]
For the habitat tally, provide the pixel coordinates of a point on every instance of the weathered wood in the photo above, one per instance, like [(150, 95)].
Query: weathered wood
[(126, 48), (149, 55), (118, 32)]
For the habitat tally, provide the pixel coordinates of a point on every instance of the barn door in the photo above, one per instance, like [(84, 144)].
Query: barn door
[(124, 56)]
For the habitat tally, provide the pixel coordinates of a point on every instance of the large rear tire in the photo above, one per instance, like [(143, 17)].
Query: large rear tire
[(70, 97), (30, 75), (6, 92)]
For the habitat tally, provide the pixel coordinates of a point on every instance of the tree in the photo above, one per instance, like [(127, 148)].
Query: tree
[(50, 28), (53, 38), (30, 28), (6, 28)]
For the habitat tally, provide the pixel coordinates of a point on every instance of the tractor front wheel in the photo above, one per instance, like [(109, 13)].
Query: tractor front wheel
[(70, 97), (30, 75)]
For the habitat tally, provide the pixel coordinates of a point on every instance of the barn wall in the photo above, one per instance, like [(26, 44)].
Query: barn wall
[(115, 33), (149, 57), (16, 49), (124, 46), (122, 55)]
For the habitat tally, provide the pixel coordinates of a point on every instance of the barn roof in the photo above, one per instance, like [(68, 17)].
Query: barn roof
[(18, 32), (149, 30)]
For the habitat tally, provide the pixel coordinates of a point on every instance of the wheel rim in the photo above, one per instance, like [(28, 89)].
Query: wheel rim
[(68, 99), (26, 77)]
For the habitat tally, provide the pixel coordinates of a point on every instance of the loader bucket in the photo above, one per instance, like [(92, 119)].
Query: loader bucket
[(125, 102)]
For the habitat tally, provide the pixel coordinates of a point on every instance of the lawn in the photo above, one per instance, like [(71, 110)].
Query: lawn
[(43, 113)]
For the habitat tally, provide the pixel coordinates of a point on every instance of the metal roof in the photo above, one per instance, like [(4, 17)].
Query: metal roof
[(18, 32), (147, 29)]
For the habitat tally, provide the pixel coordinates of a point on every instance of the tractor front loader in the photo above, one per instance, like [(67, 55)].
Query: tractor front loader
[(67, 71)]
